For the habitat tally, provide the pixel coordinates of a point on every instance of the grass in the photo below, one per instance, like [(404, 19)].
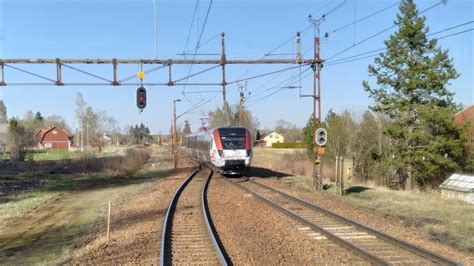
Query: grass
[(50, 154), (42, 226), (16, 205), (446, 221)]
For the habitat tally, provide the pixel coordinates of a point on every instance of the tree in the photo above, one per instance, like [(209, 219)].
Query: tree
[(139, 133), (21, 140), (3, 112), (56, 121), (412, 78), (340, 129), (258, 135), (366, 149), (288, 130), (38, 116), (236, 115)]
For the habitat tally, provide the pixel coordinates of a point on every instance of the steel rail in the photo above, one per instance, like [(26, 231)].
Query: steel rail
[(210, 225), (361, 252), (391, 239), (165, 238)]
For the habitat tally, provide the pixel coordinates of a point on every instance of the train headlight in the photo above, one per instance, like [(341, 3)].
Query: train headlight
[(248, 153), (221, 153)]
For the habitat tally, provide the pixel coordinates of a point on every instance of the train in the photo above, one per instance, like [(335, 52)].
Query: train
[(226, 149)]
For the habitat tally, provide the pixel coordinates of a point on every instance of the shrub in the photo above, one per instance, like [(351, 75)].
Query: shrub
[(289, 145)]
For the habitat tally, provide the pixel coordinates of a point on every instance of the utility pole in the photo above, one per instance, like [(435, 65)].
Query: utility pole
[(174, 137), (223, 63), (316, 66)]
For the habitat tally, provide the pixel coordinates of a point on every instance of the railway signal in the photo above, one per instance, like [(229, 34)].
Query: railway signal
[(141, 98), (321, 136)]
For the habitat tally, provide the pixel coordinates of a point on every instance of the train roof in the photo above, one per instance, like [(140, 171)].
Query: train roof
[(207, 131)]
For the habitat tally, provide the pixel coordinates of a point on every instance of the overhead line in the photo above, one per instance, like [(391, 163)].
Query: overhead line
[(198, 42), (301, 31), (381, 49), (364, 18), (262, 75), (378, 33)]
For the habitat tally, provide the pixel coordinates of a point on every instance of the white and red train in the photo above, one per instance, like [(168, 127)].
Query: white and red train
[(227, 149)]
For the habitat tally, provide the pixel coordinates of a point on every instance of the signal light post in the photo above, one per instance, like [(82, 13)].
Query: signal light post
[(141, 98), (174, 137)]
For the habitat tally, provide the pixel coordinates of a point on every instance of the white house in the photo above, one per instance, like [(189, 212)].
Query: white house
[(273, 138)]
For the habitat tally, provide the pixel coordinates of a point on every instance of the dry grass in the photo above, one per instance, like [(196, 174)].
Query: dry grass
[(447, 221), (62, 214)]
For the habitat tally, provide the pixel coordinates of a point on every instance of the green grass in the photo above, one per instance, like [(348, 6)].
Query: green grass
[(15, 205), (54, 155)]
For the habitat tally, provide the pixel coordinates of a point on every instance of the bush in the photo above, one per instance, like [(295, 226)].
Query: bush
[(296, 163), (289, 145)]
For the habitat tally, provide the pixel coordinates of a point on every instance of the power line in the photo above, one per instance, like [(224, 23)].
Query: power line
[(262, 75), (453, 27), (259, 100), (323, 16), (199, 40), (341, 61), (381, 49), (364, 18), (456, 33), (378, 33)]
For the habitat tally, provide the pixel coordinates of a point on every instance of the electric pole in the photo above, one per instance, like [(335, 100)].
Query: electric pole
[(316, 66), (223, 63)]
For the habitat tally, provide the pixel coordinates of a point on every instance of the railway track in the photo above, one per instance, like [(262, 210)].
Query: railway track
[(188, 234), (370, 244)]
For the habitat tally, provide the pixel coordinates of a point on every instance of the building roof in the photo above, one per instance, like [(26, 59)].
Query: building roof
[(273, 133), (459, 182), (464, 116), (40, 135)]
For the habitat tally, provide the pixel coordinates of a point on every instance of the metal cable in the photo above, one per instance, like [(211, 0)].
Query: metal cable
[(87, 73), (378, 33), (30, 73), (146, 72)]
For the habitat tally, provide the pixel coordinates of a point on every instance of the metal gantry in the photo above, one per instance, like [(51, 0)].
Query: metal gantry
[(161, 63), (315, 63)]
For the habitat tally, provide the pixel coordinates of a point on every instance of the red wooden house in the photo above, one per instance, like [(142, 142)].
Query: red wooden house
[(53, 138)]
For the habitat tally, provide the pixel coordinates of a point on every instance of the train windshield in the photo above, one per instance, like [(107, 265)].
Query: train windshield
[(232, 138)]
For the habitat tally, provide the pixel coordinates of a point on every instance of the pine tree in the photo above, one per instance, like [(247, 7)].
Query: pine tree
[(38, 116), (413, 77)]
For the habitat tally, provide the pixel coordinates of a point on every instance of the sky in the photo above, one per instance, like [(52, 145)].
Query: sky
[(125, 29)]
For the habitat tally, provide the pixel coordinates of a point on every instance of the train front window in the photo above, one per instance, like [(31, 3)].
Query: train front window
[(232, 138), (233, 143)]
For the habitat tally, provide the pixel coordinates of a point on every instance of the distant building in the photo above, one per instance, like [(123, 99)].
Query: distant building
[(53, 138), (458, 186), (463, 117), (273, 138)]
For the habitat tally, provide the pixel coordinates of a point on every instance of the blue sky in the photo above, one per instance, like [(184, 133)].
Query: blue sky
[(124, 29)]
